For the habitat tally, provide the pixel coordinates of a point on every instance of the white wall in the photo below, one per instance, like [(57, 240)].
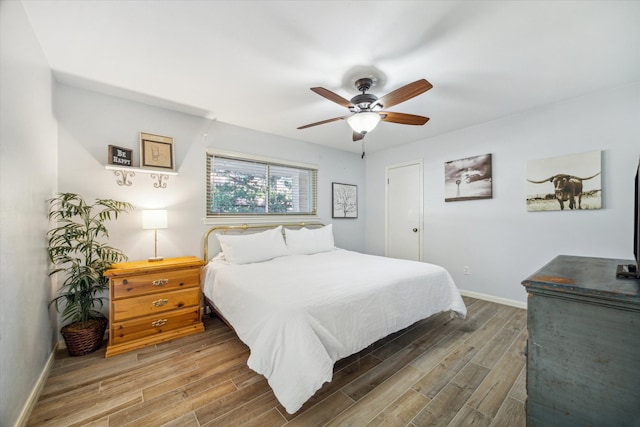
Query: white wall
[(89, 121), (27, 178), (498, 239)]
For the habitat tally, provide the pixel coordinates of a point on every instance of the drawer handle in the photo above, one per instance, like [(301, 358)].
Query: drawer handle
[(159, 322), (160, 302), (160, 282)]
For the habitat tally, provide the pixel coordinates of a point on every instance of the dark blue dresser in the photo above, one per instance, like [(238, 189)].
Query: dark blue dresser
[(583, 352)]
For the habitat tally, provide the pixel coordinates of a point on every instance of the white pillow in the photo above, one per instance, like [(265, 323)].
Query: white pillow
[(257, 247), (307, 241), (219, 259)]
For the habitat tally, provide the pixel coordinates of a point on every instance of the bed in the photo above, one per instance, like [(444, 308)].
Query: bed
[(301, 304)]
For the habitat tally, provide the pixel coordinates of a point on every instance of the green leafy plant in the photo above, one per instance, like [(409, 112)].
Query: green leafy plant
[(243, 192), (76, 250)]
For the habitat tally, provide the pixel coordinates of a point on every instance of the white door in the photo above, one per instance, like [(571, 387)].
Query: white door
[(404, 211)]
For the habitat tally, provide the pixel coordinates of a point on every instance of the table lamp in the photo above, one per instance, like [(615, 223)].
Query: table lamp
[(152, 220)]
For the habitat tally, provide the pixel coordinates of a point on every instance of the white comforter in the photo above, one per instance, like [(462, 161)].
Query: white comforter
[(299, 314)]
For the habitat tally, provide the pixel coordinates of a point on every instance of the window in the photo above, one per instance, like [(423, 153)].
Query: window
[(239, 186)]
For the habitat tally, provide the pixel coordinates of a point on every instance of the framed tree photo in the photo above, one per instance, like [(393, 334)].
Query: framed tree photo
[(156, 152), (344, 200)]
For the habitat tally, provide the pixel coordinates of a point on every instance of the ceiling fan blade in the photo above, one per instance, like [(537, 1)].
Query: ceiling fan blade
[(357, 136), (323, 122), (331, 96), (403, 94), (402, 118)]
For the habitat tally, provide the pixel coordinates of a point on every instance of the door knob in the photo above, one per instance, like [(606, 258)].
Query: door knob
[(415, 230)]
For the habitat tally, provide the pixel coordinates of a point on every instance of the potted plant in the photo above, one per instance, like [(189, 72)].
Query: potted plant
[(76, 250)]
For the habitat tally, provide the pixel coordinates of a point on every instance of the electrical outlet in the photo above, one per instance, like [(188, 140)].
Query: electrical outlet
[(465, 270)]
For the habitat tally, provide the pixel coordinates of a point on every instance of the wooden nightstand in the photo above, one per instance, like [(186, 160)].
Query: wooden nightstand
[(153, 302)]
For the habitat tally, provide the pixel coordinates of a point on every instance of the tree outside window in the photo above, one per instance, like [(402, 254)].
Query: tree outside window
[(248, 187)]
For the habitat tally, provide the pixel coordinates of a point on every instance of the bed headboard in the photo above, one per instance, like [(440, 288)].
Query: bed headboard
[(210, 246)]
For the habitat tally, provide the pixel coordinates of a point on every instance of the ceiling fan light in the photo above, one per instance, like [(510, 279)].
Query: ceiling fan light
[(363, 122)]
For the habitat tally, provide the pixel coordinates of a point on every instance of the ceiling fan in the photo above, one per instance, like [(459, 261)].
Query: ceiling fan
[(367, 109)]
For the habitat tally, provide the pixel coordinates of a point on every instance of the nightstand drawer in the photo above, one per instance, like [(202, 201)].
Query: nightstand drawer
[(155, 303), (151, 325), (124, 287)]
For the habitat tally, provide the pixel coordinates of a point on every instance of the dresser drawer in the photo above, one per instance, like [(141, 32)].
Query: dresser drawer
[(155, 303), (141, 327), (124, 287)]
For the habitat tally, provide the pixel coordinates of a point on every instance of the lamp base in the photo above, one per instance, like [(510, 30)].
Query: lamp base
[(155, 258)]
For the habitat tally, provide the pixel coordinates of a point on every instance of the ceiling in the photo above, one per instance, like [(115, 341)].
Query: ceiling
[(251, 63)]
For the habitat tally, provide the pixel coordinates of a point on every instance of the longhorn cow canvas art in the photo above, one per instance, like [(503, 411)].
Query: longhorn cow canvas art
[(565, 183)]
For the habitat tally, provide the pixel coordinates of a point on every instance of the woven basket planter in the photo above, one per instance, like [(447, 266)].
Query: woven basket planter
[(84, 337)]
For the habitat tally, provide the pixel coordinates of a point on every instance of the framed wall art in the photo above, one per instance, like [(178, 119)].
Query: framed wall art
[(468, 179), (156, 152), (565, 183), (344, 200), (119, 156)]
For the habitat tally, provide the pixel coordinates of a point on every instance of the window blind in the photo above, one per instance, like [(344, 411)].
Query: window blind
[(243, 186)]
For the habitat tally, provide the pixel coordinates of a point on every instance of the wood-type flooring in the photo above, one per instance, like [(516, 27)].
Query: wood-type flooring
[(441, 371)]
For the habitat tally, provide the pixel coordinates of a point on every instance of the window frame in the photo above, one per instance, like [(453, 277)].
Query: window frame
[(257, 218)]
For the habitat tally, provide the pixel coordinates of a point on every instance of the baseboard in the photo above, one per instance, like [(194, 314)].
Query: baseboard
[(492, 298), (35, 393)]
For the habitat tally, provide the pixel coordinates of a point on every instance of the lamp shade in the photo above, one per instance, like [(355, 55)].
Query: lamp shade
[(363, 122), (154, 219)]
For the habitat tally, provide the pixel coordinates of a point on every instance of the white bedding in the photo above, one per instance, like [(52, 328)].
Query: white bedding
[(299, 314)]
